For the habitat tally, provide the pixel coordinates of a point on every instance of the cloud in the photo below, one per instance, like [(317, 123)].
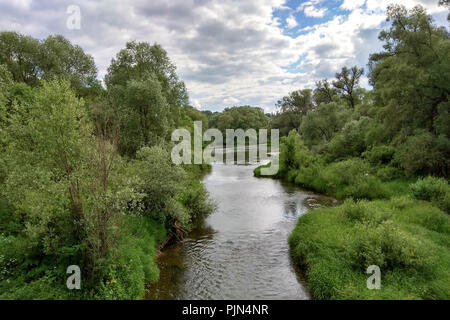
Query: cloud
[(227, 51), (291, 22), (196, 104), (352, 4), (310, 9), (230, 100)]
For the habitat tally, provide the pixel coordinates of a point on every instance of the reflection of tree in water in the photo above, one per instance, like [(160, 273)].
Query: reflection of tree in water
[(172, 265)]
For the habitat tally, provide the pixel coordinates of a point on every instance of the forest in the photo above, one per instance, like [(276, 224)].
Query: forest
[(85, 171), (86, 176)]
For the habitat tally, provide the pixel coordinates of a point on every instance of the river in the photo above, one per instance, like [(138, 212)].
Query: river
[(241, 250)]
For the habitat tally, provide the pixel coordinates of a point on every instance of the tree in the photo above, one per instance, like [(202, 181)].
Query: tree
[(324, 92), (244, 117), (412, 75), (64, 181), (30, 60), (160, 181), (299, 101), (286, 122), (347, 84), (322, 124), (137, 61), (142, 114), (61, 60), (21, 55)]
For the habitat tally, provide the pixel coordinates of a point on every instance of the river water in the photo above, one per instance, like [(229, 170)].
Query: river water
[(241, 250)]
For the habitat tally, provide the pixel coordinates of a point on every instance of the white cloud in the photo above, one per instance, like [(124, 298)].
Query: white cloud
[(291, 22), (230, 100), (227, 51), (352, 4), (196, 104), (310, 9)]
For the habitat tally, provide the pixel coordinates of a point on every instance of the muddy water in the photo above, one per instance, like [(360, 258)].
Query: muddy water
[(241, 250)]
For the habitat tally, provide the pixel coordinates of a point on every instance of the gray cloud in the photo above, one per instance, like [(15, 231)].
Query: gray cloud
[(225, 50)]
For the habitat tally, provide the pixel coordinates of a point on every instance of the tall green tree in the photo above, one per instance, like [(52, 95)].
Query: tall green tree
[(319, 126), (139, 59), (300, 102), (412, 82), (55, 58), (324, 92), (347, 83), (21, 55), (61, 60)]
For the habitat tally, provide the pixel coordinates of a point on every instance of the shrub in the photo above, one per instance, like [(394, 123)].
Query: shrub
[(420, 154), (350, 142), (389, 173), (406, 238), (352, 178), (386, 246), (132, 264), (436, 190), (380, 155)]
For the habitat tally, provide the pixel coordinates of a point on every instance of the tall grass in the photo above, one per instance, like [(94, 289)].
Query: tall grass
[(408, 239)]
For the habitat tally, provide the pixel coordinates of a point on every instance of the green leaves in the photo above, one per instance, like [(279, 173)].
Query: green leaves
[(30, 61)]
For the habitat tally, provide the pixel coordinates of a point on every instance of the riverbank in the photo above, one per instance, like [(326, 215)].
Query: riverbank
[(388, 225), (240, 251), (408, 239)]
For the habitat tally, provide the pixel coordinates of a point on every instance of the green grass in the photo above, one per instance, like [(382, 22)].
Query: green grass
[(408, 239), (123, 275), (353, 178)]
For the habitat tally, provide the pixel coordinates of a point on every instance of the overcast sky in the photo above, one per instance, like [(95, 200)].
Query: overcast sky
[(228, 52)]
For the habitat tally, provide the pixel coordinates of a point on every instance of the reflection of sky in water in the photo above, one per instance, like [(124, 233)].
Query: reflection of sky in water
[(241, 251)]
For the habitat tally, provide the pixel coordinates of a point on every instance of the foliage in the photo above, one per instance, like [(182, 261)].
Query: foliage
[(297, 102), (423, 153), (411, 75), (436, 190), (244, 117), (407, 239), (139, 60), (30, 60), (320, 125), (347, 82), (72, 188)]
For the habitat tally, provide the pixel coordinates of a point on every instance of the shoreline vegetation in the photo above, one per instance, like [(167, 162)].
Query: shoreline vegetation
[(384, 152), (86, 176), (87, 179)]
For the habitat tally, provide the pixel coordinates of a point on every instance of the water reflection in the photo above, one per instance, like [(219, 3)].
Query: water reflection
[(240, 251)]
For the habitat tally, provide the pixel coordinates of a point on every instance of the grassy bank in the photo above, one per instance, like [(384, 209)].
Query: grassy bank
[(123, 275), (398, 223), (408, 239)]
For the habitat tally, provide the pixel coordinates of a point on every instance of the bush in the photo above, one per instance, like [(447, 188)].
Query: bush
[(406, 238), (353, 178), (132, 264), (386, 246), (436, 190), (389, 173), (380, 155), (420, 155), (350, 142)]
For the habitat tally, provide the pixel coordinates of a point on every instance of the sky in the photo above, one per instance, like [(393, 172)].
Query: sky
[(228, 52)]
